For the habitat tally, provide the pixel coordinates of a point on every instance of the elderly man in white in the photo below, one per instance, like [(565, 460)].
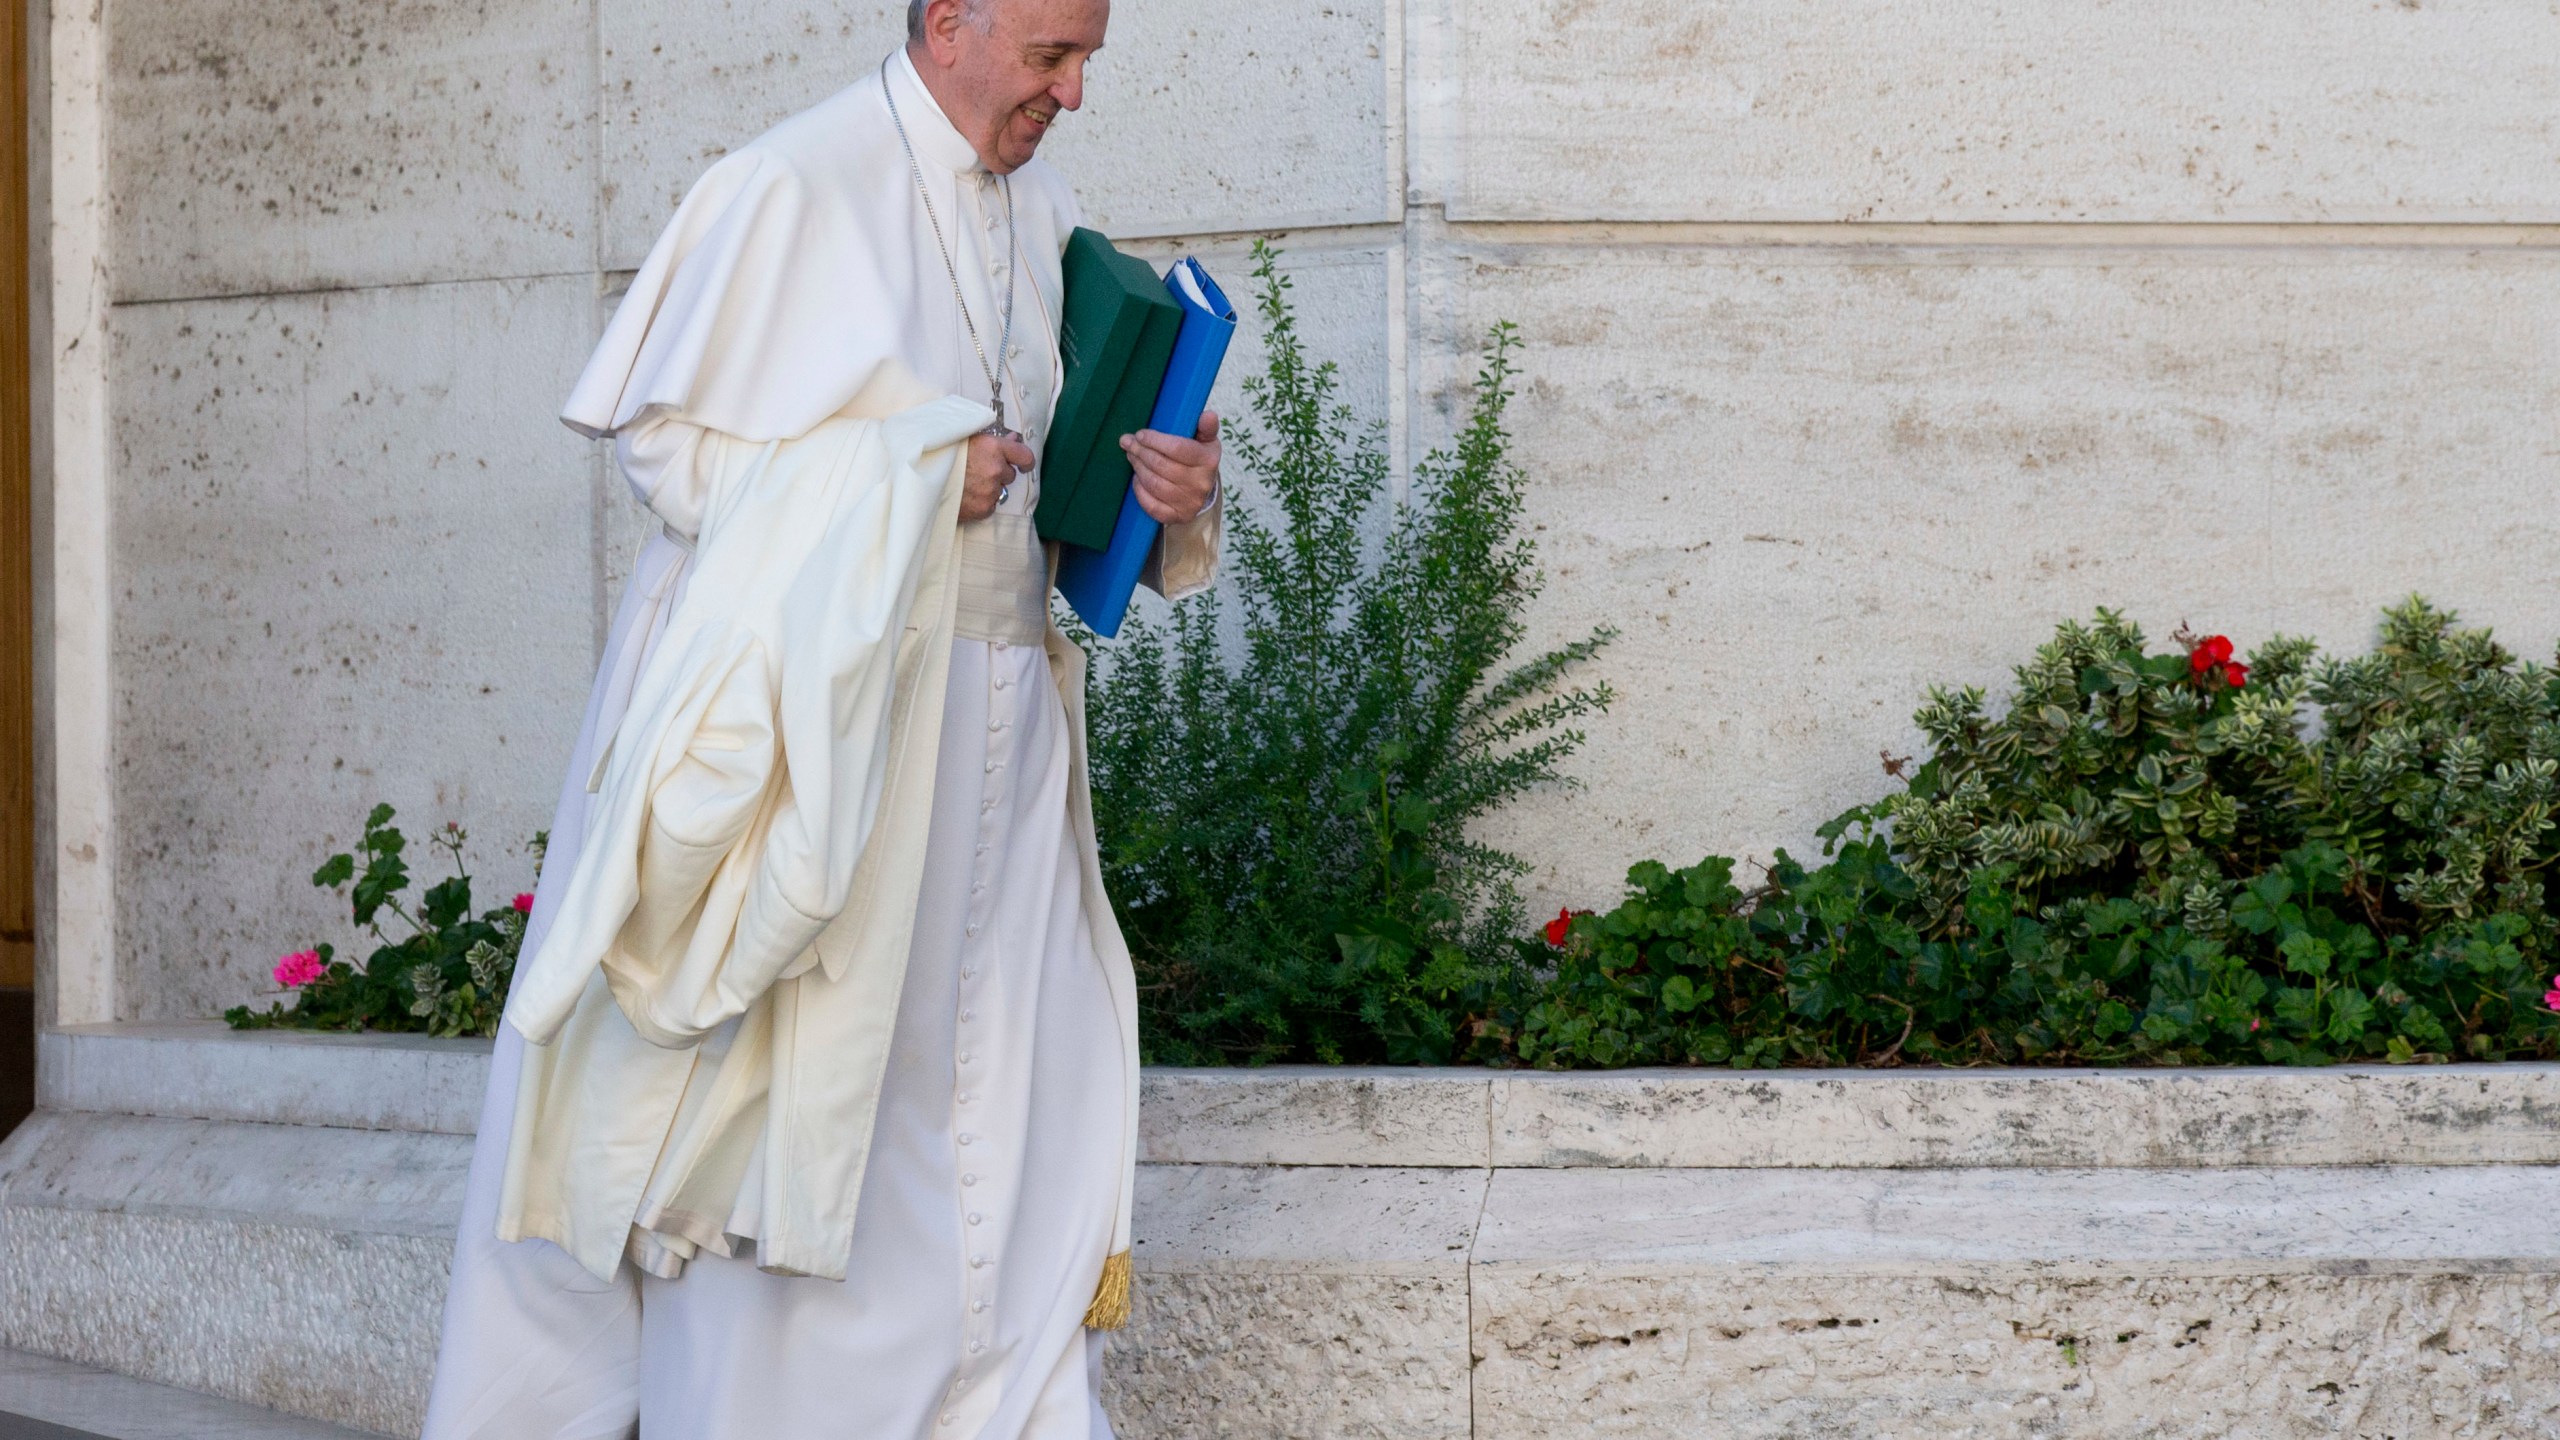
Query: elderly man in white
[(908, 1216)]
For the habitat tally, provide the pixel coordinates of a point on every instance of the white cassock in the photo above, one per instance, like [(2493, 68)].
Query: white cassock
[(986, 1207)]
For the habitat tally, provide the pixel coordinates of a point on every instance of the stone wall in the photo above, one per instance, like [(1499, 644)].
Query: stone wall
[(1957, 1255), (1862, 344)]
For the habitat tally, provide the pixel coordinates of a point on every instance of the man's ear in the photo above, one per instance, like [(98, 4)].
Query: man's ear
[(942, 22)]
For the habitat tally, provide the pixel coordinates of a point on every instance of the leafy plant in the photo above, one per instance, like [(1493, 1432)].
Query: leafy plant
[(2146, 858), (1286, 770), (447, 976)]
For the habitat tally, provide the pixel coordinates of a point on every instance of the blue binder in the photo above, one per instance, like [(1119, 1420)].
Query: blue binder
[(1098, 583)]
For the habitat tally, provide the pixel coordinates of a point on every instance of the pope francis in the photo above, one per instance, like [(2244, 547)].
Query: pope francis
[(815, 1109)]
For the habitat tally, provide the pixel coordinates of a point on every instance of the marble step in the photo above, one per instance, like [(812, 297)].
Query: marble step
[(43, 1399), (292, 1266)]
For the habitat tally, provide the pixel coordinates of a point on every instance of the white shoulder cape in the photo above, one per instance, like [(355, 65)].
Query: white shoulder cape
[(795, 268)]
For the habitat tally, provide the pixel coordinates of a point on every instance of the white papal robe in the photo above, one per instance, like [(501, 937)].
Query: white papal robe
[(987, 1207)]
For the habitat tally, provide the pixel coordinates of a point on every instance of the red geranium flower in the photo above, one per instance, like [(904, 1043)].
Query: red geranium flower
[(524, 904), (1562, 925), (2212, 650), (1559, 927), (2238, 675)]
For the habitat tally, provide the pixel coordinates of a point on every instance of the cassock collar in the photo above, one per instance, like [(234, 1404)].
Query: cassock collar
[(937, 140)]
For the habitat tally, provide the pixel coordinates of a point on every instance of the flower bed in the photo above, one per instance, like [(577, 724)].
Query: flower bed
[(2177, 857), (2170, 857), (447, 976), (2146, 859), (2149, 859)]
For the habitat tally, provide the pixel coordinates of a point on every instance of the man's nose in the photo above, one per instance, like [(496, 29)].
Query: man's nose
[(1069, 92)]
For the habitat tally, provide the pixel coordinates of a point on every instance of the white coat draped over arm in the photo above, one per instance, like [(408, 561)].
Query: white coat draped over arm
[(735, 799)]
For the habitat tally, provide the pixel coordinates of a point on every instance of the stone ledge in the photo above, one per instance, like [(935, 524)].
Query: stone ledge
[(102, 1406), (1307, 1219), (204, 1070), (1468, 1253), (2471, 1219), (1314, 1115), (2466, 1219), (1468, 1118), (371, 1182), (2345, 1115)]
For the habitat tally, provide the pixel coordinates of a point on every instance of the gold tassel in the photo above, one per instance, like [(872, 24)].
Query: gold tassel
[(1110, 1307)]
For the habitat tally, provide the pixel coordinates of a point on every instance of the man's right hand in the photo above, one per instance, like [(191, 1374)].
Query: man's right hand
[(995, 461)]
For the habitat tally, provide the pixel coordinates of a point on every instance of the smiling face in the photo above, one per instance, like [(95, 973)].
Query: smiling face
[(1003, 69)]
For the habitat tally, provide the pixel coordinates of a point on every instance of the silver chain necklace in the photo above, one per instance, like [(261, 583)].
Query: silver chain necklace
[(1013, 260)]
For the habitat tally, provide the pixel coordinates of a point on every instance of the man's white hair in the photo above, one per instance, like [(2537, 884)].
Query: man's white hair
[(976, 12)]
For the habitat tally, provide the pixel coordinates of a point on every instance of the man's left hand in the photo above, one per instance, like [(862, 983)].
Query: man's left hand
[(1175, 479)]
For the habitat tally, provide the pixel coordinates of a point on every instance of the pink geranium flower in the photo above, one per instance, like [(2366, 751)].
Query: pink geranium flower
[(299, 969), (2551, 997), (524, 904)]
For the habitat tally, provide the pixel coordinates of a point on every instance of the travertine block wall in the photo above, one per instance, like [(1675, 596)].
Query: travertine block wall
[(1862, 344)]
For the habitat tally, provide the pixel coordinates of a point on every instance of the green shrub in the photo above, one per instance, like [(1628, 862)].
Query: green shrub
[(2141, 860), (1285, 770), (447, 976)]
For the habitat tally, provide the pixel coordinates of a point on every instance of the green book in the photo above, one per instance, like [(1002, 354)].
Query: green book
[(1115, 342)]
